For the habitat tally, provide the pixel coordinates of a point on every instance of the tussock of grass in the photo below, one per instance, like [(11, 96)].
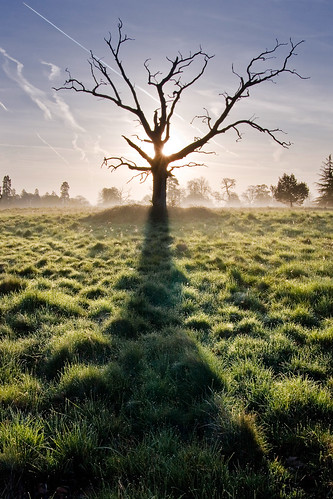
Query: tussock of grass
[(120, 214), (297, 397), (83, 343), (22, 448), (11, 284), (80, 381), (25, 392), (33, 300)]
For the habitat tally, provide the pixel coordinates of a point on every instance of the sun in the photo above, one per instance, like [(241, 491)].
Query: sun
[(174, 144)]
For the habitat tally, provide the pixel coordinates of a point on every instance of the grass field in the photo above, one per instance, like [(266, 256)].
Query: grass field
[(186, 360)]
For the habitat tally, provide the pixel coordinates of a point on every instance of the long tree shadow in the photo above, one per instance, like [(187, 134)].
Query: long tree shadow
[(170, 377)]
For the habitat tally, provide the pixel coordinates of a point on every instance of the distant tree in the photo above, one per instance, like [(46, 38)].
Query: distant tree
[(262, 195), (26, 198), (227, 186), (198, 191), (6, 189), (182, 73), (233, 200), (80, 201), (146, 200), (257, 195), (50, 199), (110, 196), (227, 193), (290, 191), (325, 185), (174, 192), (64, 192)]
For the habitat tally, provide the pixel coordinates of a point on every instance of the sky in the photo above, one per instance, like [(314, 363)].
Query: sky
[(48, 136)]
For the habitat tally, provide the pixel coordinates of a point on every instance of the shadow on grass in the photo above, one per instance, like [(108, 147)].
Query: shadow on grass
[(170, 376)]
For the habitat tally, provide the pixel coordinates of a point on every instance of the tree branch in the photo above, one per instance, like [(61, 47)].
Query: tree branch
[(138, 149), (252, 78), (121, 161), (190, 164)]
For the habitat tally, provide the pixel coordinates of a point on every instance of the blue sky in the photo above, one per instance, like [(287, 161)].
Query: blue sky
[(47, 137)]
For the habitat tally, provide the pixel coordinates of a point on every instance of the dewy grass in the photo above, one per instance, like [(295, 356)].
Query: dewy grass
[(190, 359)]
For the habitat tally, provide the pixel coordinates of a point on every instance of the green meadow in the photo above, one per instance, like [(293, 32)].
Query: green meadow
[(190, 359)]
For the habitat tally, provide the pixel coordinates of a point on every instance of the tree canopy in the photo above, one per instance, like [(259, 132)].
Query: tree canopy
[(290, 191), (169, 88)]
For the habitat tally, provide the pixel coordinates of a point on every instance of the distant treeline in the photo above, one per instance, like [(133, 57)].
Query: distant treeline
[(197, 192), (10, 198)]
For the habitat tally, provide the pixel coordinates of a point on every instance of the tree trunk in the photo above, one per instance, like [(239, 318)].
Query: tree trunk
[(159, 208)]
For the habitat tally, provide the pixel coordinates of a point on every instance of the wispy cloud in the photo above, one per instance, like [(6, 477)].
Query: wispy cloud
[(97, 149), (50, 107), (54, 70), (66, 114), (79, 149)]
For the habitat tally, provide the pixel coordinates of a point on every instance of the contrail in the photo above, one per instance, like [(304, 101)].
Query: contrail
[(3, 106), (52, 149), (56, 27), (84, 48)]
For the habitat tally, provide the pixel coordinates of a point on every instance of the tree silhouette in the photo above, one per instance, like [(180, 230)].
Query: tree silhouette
[(64, 192), (325, 186), (198, 191), (227, 184), (7, 191), (183, 72), (257, 195), (111, 196), (228, 195), (289, 191), (174, 192)]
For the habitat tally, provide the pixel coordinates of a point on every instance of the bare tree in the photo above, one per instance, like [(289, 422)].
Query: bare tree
[(227, 186), (258, 195), (198, 191), (169, 88)]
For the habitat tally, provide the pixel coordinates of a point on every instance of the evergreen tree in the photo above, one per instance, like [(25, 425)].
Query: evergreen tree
[(325, 186), (64, 192), (6, 188), (174, 192), (289, 191)]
